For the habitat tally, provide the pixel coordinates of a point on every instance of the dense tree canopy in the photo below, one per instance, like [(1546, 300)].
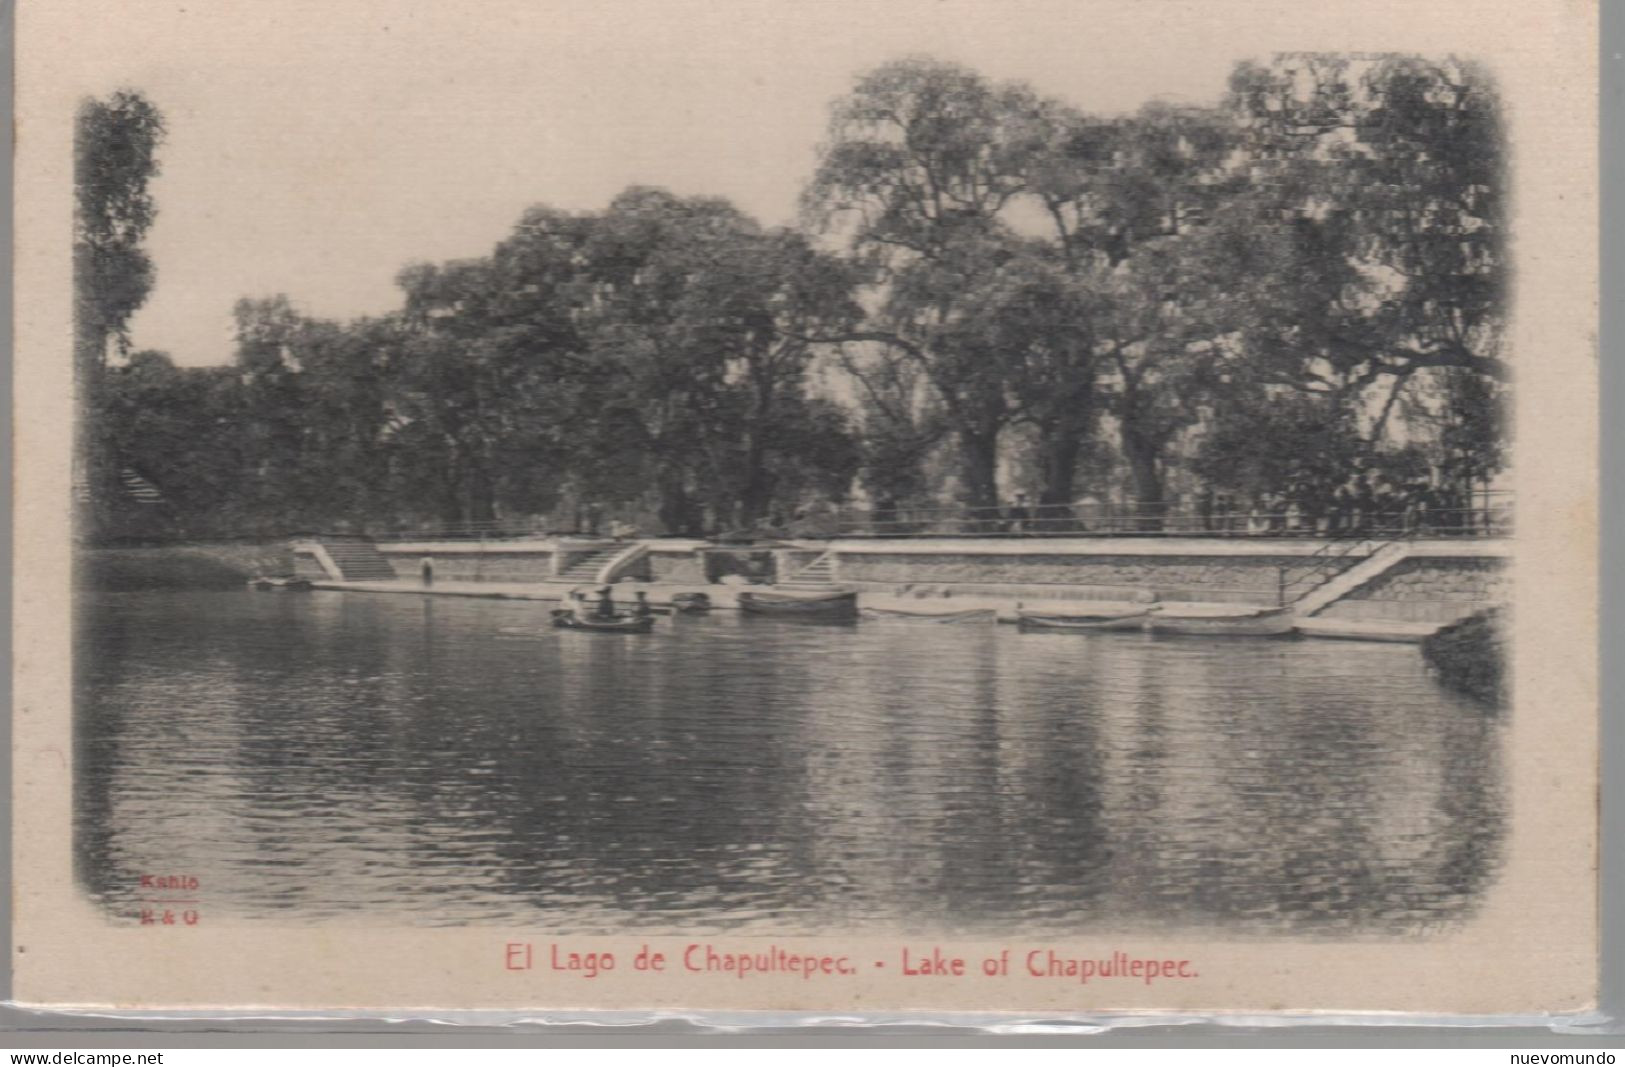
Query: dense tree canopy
[(115, 157), (992, 290)]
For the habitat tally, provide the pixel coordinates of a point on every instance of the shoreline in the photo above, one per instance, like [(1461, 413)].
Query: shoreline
[(725, 598), (980, 578)]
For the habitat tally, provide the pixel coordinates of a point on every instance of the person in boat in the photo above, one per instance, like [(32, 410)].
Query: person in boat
[(642, 610), (606, 605)]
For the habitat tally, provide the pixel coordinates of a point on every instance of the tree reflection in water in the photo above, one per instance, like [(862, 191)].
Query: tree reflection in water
[(396, 759)]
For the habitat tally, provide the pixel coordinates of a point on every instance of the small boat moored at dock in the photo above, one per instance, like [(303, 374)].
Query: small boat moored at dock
[(290, 584), (899, 615), (1032, 621), (1255, 622), (820, 606)]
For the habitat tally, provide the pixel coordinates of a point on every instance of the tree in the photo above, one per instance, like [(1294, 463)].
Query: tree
[(1168, 340), (926, 168), (115, 156), (704, 325), (1379, 184), (275, 396), (1129, 201), (346, 419), (658, 348), (784, 294), (922, 158), (898, 423), (470, 387), (1270, 439), (1035, 319), (179, 429)]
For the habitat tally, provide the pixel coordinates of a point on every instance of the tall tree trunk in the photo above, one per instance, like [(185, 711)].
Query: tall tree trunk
[(450, 504), (979, 459), (1143, 456), (482, 505), (756, 485), (677, 511), (100, 512), (1058, 463), (1060, 439)]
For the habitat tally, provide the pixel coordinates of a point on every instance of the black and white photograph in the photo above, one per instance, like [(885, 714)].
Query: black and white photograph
[(1051, 476)]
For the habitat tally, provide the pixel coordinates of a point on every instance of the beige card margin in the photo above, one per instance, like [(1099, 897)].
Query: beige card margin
[(1534, 947)]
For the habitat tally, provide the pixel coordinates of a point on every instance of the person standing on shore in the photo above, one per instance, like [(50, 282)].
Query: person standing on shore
[(1020, 515), (426, 570)]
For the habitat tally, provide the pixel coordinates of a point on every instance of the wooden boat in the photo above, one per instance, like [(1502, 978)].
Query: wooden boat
[(263, 584), (1256, 622), (690, 603), (897, 614), (1032, 621), (565, 619), (823, 606)]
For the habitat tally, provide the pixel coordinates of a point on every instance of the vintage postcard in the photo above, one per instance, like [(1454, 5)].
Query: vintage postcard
[(1044, 508)]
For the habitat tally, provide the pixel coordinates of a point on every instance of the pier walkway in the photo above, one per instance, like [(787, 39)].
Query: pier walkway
[(725, 598)]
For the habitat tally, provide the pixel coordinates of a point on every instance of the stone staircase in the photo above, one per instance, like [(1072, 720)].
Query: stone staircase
[(817, 576), (585, 567), (1340, 586), (359, 561)]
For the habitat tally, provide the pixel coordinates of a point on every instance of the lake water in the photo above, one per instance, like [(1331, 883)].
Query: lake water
[(404, 760)]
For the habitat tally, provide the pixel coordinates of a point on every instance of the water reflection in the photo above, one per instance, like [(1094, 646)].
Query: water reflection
[(396, 759)]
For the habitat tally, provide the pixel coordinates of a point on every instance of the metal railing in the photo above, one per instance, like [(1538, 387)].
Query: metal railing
[(1488, 517), (494, 530)]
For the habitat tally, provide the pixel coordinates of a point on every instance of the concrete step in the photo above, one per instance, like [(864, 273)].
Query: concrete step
[(1398, 630), (585, 568), (819, 574), (359, 561), (1340, 586)]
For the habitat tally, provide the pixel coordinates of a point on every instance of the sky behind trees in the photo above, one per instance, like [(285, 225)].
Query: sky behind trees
[(316, 151), (1335, 227)]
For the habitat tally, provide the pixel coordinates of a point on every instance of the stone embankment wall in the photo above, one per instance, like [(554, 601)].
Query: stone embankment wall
[(1427, 590), (688, 566), (1242, 579), (1441, 580), (202, 565), (678, 568), (471, 562), (758, 565)]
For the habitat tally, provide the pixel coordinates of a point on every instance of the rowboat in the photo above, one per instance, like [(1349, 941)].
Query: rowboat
[(1255, 622), (690, 603), (280, 585), (896, 614), (1130, 620), (823, 606), (617, 624)]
